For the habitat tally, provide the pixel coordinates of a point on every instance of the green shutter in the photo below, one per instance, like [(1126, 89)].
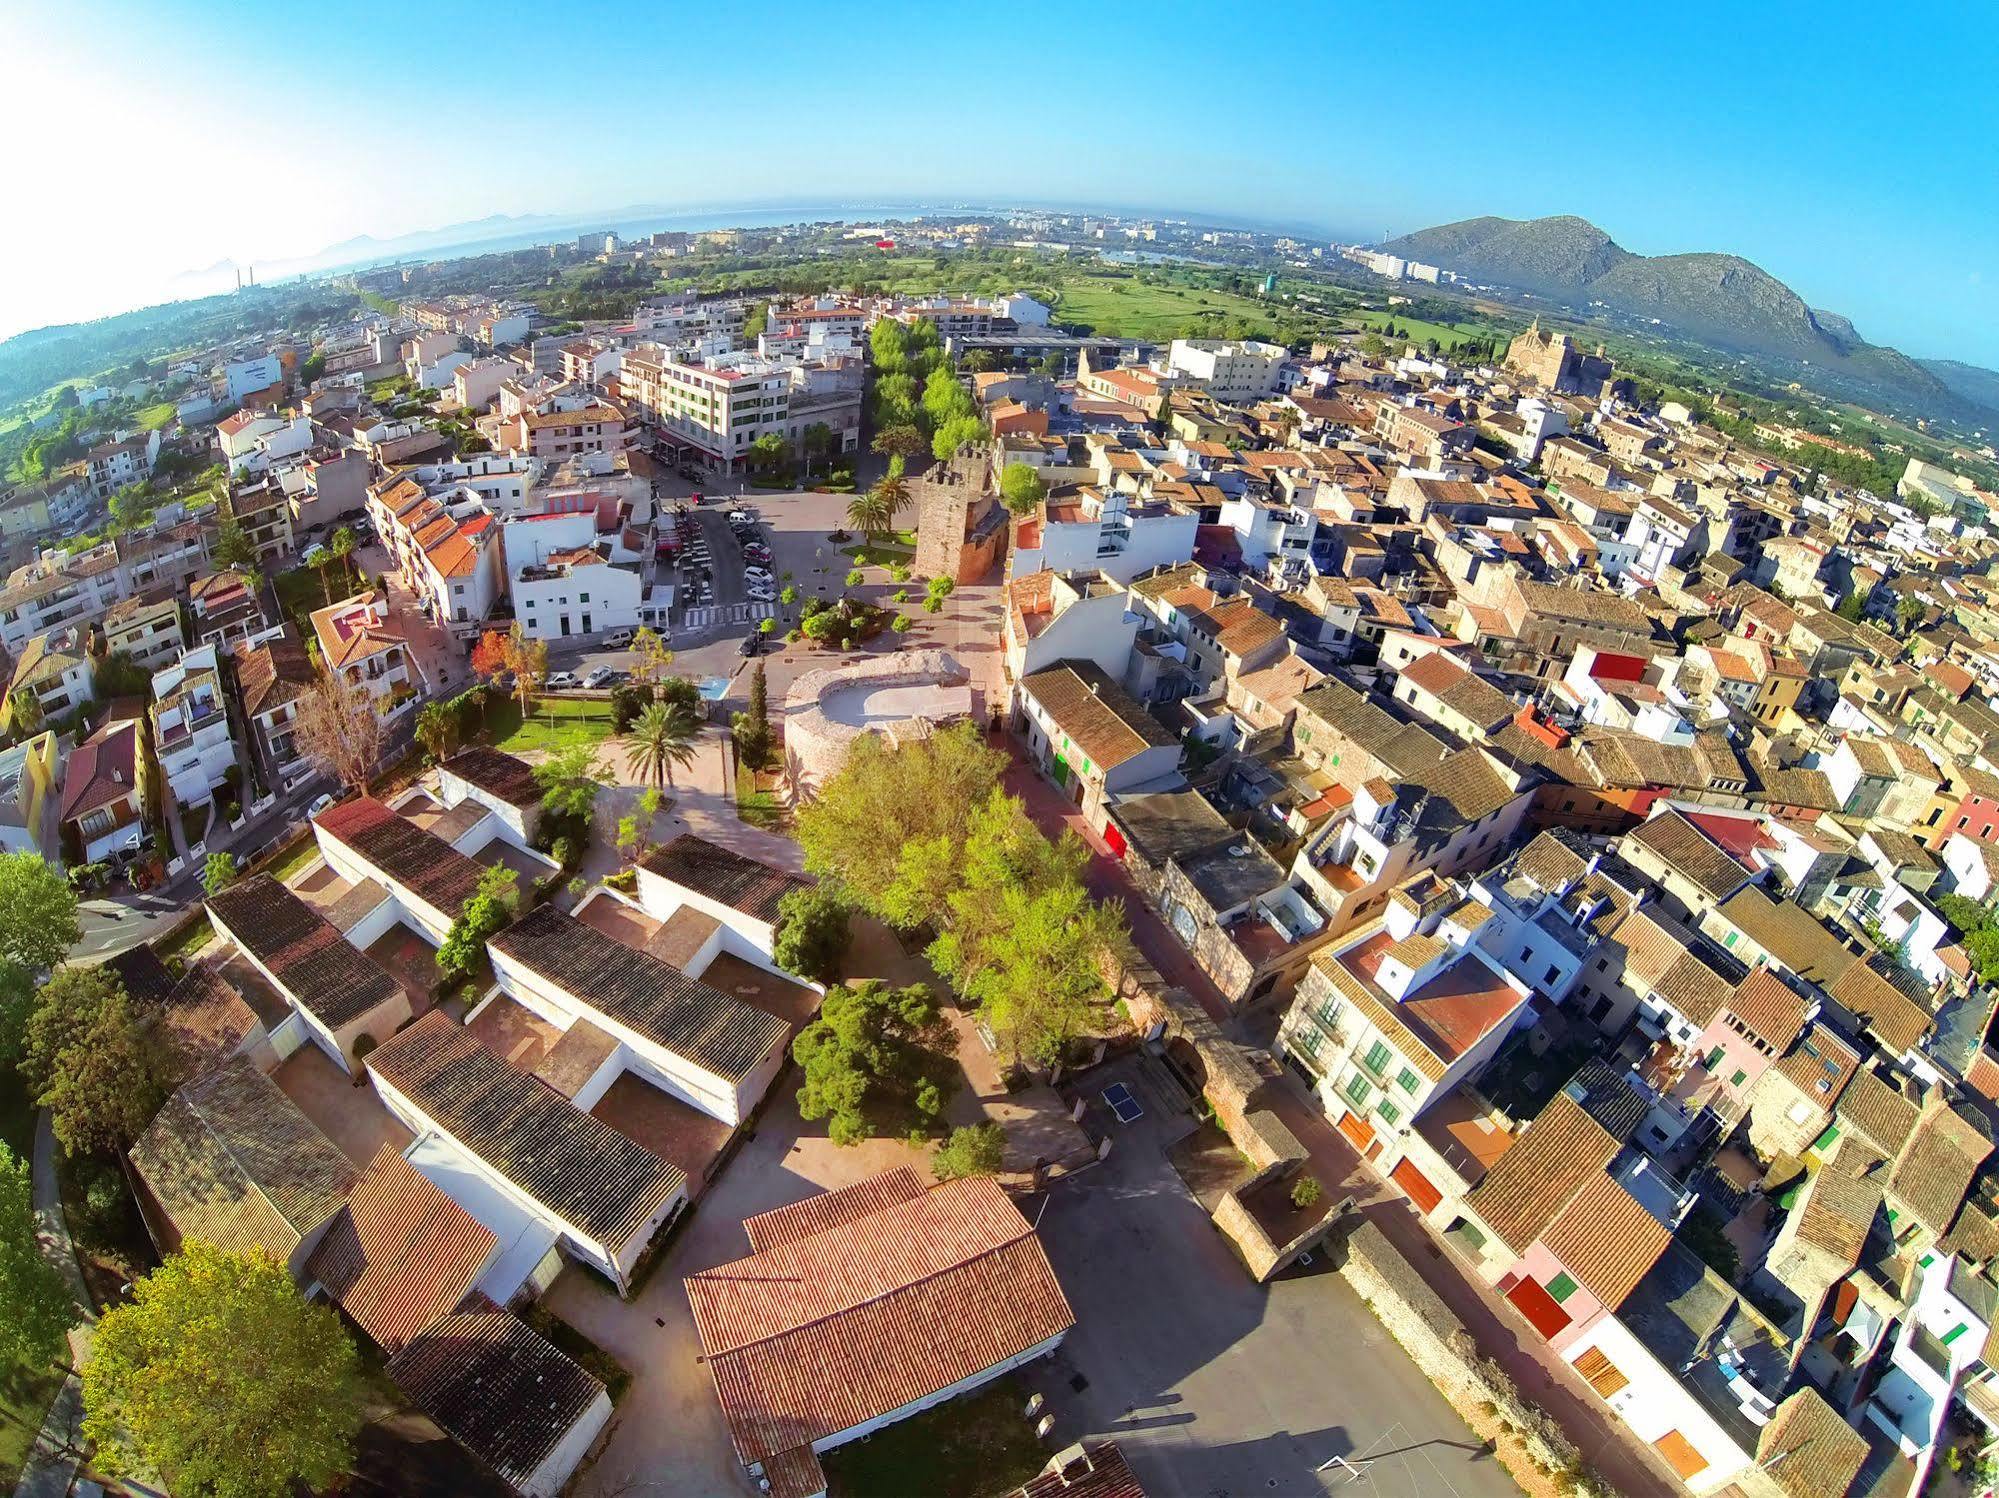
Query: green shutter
[(1560, 1288), (1408, 1081), (1954, 1333), (1824, 1141), (1388, 1111)]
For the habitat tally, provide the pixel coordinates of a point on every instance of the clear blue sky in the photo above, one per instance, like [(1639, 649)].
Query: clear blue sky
[(1853, 153)]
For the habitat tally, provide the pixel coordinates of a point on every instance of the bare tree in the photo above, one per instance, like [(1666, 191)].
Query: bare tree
[(338, 730)]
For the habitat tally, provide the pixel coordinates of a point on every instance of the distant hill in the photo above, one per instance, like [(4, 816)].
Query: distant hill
[(1979, 386), (1722, 301)]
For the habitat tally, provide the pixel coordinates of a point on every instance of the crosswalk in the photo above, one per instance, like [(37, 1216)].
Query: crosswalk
[(720, 615)]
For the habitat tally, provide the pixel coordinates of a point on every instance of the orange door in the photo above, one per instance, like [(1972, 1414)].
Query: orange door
[(1359, 1132), (1413, 1181)]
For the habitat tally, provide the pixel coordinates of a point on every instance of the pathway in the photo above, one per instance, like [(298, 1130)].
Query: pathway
[(53, 1460)]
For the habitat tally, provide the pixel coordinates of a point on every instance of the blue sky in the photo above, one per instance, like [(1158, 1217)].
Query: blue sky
[(1853, 153)]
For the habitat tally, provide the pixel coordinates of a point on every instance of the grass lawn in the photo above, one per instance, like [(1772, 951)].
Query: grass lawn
[(301, 590), (877, 554), (25, 1396), (757, 802), (152, 418), (557, 723), (197, 935), (306, 852), (970, 1447)]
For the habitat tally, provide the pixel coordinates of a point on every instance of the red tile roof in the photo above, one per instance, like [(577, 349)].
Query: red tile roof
[(401, 1254), (818, 1335)]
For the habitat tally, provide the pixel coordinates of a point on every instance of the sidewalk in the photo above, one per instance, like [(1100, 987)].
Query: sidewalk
[(52, 1462)]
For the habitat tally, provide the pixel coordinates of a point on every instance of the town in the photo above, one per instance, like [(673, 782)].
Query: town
[(886, 893)]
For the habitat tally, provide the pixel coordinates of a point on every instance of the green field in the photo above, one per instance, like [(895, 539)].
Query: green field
[(557, 723), (150, 418), (1448, 336)]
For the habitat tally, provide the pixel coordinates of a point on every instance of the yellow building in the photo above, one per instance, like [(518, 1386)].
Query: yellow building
[(27, 781)]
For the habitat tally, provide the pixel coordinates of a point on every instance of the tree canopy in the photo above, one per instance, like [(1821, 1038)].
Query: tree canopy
[(891, 822), (487, 911), (92, 1062), (224, 1379), (1021, 488), (38, 923), (877, 1059), (1022, 936), (972, 1150), (814, 928), (35, 1308)]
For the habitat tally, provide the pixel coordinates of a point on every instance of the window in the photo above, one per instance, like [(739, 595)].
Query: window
[(1712, 1059), (1388, 1111), (1560, 1288), (1600, 1373), (1357, 1090), (1407, 1080), (1738, 1079), (1376, 1058)]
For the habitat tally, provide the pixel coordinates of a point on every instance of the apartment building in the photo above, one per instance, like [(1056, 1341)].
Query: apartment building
[(52, 679), (1232, 370), (560, 434), (264, 514), (271, 676), (127, 460), (29, 794), (192, 736), (148, 630)]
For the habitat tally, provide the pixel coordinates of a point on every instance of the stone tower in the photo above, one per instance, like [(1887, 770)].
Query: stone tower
[(960, 526)]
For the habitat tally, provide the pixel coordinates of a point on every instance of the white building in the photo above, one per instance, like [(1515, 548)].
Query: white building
[(1231, 370), (247, 376), (191, 732), (1123, 536), (564, 581)]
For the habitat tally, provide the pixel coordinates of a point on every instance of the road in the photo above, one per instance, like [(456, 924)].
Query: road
[(1211, 1383)]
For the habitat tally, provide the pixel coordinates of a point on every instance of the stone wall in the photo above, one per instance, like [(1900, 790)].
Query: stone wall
[(1259, 1251), (1228, 1079), (1438, 1344)]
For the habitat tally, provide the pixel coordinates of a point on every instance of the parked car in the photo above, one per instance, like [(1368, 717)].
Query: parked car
[(741, 517), (618, 639), (320, 803), (560, 681), (752, 645), (597, 680)]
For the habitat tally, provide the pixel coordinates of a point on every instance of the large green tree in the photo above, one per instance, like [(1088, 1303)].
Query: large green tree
[(876, 1060), (814, 929), (92, 1061), (35, 1308), (222, 1378), (666, 734), (38, 923), (487, 911), (889, 825), (1022, 937), (1021, 488)]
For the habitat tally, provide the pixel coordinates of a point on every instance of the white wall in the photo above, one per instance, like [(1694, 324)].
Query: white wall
[(553, 1474), (1653, 1402)]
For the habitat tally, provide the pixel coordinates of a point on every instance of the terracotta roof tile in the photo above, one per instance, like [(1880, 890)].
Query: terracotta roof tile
[(1605, 1239), (1551, 1160)]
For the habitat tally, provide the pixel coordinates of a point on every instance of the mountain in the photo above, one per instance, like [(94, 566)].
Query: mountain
[(1979, 386), (1722, 301)]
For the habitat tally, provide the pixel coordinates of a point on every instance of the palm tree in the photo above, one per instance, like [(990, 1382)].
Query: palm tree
[(342, 547), (868, 514), (663, 736)]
